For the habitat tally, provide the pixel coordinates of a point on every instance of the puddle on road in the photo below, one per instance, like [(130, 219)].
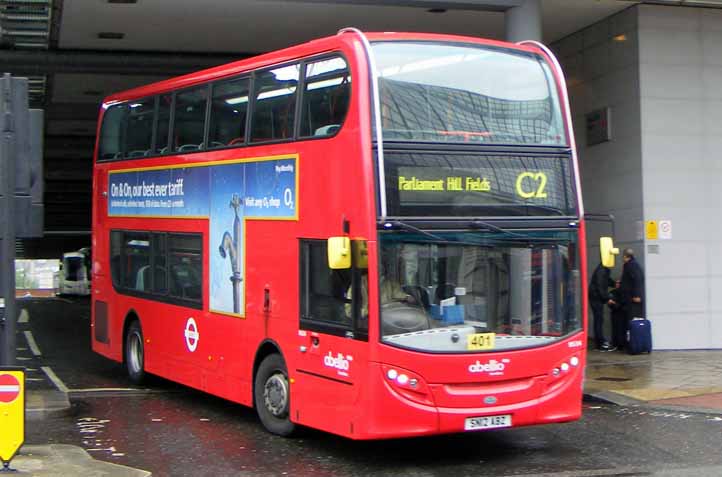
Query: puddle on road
[(91, 430)]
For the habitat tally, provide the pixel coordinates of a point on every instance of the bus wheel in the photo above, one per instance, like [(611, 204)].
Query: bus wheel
[(134, 357), (272, 394)]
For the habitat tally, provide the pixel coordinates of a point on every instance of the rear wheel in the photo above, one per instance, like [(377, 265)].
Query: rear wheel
[(134, 353), (272, 394)]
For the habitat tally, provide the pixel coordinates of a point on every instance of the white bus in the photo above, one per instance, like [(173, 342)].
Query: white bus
[(73, 277)]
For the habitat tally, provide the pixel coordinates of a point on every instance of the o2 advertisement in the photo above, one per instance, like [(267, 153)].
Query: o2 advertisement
[(226, 193)]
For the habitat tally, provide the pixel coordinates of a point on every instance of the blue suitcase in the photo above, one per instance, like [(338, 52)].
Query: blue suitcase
[(639, 336)]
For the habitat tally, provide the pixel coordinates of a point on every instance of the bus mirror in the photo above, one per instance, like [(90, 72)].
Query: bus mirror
[(607, 251), (339, 253), (360, 254)]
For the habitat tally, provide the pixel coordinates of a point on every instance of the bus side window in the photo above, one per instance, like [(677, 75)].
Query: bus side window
[(139, 128), (325, 97), (112, 132), (160, 275), (136, 259), (189, 119), (165, 102), (185, 264), (331, 300), (116, 240), (274, 110), (229, 108)]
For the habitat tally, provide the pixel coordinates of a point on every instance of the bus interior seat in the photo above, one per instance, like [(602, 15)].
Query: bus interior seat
[(189, 147), (138, 153), (142, 278), (328, 130)]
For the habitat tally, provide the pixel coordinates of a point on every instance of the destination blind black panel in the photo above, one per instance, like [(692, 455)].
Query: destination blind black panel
[(420, 184)]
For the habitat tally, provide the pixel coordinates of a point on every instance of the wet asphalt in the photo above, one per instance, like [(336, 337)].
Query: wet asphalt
[(171, 430)]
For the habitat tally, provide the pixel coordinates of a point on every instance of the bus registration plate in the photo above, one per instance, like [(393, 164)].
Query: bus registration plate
[(487, 422)]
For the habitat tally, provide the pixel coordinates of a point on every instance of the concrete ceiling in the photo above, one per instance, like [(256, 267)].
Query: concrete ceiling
[(254, 26)]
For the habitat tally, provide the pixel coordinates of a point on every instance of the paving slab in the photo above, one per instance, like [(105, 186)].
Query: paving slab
[(59, 460)]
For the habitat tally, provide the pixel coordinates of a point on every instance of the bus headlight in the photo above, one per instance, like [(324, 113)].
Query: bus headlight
[(408, 384)]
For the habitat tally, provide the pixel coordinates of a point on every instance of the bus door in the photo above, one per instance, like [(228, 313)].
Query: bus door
[(332, 349)]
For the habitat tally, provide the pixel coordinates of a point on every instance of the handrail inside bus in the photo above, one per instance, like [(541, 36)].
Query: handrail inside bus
[(568, 117), (377, 112)]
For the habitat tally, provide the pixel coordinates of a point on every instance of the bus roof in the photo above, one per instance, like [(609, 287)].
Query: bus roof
[(291, 53)]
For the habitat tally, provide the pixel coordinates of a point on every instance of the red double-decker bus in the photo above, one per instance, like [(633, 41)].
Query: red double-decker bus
[(377, 235)]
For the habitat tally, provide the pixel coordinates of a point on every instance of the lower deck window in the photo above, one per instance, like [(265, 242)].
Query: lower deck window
[(158, 265)]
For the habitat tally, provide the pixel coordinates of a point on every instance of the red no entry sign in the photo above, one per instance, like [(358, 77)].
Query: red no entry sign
[(9, 388)]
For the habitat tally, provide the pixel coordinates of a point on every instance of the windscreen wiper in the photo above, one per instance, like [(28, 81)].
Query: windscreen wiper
[(391, 224), (481, 224)]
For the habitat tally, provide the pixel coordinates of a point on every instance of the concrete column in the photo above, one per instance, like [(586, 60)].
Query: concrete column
[(524, 22)]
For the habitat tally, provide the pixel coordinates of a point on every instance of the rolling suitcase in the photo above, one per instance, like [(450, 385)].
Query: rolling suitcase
[(639, 336)]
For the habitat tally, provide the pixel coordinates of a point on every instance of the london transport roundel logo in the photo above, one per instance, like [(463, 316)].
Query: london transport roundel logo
[(191, 334), (9, 388)]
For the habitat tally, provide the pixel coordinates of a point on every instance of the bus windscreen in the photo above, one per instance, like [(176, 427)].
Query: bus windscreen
[(461, 93)]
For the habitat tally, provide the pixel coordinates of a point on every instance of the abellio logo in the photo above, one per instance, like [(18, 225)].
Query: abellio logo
[(491, 366), (338, 362)]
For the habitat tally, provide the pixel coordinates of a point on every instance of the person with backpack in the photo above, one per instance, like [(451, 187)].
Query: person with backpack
[(598, 297)]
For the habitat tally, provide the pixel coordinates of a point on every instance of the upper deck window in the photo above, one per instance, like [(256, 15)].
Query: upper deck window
[(228, 113), (112, 132), (139, 134), (325, 98), (189, 119), (467, 93), (275, 103)]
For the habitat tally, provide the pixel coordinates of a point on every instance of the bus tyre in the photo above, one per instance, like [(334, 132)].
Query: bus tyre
[(134, 354), (272, 394)]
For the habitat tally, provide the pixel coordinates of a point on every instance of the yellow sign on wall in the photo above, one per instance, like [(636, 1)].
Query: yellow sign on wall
[(12, 411), (652, 230)]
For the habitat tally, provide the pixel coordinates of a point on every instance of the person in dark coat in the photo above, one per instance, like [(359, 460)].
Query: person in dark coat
[(619, 317), (632, 286), (598, 297)]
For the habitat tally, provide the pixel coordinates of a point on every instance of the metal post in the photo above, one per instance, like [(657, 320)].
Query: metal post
[(7, 221), (524, 22)]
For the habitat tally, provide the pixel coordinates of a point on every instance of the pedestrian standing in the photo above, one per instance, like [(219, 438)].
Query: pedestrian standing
[(632, 286), (598, 297)]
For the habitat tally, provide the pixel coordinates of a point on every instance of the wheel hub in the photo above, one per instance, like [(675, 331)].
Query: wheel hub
[(136, 353), (275, 395)]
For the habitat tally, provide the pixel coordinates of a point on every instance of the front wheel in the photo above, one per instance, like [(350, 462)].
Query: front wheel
[(272, 394), (134, 354)]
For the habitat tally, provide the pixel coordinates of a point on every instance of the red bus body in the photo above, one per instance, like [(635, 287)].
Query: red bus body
[(337, 383)]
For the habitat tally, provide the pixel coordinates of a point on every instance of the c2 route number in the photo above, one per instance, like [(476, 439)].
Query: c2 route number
[(531, 185)]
